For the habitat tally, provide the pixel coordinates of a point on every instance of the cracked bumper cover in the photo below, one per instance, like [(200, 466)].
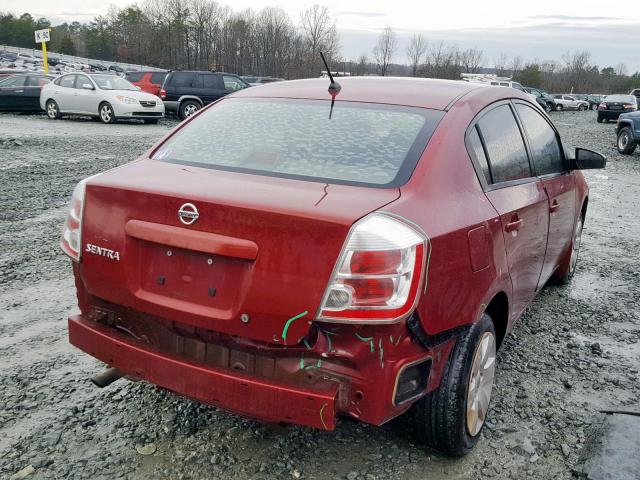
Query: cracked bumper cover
[(267, 401)]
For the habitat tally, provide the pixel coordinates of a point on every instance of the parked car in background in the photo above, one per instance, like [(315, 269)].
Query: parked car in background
[(593, 100), (636, 93), (569, 102), (150, 82), (100, 95), (21, 92), (628, 132), (613, 105), (260, 80), (186, 92), (545, 100), (292, 266)]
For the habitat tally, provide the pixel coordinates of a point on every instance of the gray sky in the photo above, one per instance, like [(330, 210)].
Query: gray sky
[(542, 29)]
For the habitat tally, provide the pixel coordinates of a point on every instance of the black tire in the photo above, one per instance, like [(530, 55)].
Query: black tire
[(582, 108), (151, 121), (106, 113), (52, 109), (559, 107), (594, 106), (548, 107), (440, 417), (625, 143), (565, 271), (599, 119), (188, 108)]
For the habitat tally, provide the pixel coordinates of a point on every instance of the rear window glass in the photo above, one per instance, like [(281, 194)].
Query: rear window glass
[(182, 79), (134, 76), (620, 98), (158, 77), (374, 145)]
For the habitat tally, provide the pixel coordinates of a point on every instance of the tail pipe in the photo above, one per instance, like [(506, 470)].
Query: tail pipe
[(107, 377)]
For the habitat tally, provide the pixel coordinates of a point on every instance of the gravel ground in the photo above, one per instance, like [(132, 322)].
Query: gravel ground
[(574, 353)]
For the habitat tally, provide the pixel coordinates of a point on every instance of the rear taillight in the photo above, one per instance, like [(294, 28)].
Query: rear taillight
[(71, 240), (163, 93), (378, 274), (602, 106)]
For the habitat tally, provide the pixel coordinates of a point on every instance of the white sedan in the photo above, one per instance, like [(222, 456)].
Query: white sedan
[(101, 95)]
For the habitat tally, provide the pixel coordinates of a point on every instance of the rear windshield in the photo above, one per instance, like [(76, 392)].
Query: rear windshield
[(364, 144), (620, 98)]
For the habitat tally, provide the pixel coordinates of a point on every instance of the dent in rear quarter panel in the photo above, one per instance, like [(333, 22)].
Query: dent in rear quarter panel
[(446, 199)]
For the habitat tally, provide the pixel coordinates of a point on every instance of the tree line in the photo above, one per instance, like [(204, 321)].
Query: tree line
[(204, 34)]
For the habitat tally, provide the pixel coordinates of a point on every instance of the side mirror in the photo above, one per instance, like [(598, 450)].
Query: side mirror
[(587, 160), (87, 86)]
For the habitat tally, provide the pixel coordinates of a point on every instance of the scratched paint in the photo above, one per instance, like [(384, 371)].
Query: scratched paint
[(367, 339)]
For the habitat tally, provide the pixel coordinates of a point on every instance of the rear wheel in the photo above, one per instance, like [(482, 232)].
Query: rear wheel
[(450, 419), (53, 112), (107, 114), (582, 108), (626, 143), (559, 107), (548, 107), (594, 106), (188, 108)]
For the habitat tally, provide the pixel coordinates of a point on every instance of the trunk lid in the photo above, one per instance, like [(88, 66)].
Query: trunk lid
[(254, 263)]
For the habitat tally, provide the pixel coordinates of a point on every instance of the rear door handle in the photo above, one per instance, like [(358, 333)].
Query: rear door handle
[(513, 226), (555, 206)]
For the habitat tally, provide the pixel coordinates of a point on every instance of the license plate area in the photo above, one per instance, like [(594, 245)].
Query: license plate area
[(204, 279)]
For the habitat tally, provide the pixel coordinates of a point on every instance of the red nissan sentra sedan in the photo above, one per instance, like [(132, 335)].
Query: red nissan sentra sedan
[(290, 266)]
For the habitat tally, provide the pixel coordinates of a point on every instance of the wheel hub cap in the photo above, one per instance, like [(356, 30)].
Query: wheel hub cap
[(481, 382), (577, 237)]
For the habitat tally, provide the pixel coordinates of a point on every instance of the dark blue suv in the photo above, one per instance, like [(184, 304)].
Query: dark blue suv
[(628, 131)]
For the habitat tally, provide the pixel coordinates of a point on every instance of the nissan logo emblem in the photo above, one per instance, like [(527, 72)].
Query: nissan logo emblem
[(188, 213)]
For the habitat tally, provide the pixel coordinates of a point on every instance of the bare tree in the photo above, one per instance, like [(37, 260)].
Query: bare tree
[(515, 65), (320, 35), (363, 65), (416, 51), (500, 65), (471, 60), (384, 50), (621, 69)]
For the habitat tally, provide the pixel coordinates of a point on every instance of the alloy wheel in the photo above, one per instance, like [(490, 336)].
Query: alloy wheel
[(105, 113), (575, 246), (481, 382), (190, 110), (623, 141), (52, 110)]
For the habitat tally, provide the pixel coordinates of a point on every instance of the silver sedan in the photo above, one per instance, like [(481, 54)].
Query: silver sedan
[(104, 96)]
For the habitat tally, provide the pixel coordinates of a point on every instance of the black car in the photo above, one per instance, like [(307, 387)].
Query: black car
[(593, 100), (186, 92), (21, 93), (613, 106), (545, 100)]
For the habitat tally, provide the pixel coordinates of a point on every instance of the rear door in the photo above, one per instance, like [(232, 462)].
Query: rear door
[(212, 87), (11, 92), (63, 92), (31, 100), (552, 169), (517, 195)]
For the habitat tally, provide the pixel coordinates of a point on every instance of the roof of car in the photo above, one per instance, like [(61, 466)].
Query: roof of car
[(417, 92)]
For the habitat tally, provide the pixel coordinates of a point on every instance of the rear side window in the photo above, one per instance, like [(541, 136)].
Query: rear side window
[(212, 81), (183, 79), (362, 144), (67, 81), (134, 76), (158, 77), (545, 150), (504, 145), (475, 144), (18, 81)]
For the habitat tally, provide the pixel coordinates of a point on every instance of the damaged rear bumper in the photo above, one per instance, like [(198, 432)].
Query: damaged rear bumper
[(256, 398)]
